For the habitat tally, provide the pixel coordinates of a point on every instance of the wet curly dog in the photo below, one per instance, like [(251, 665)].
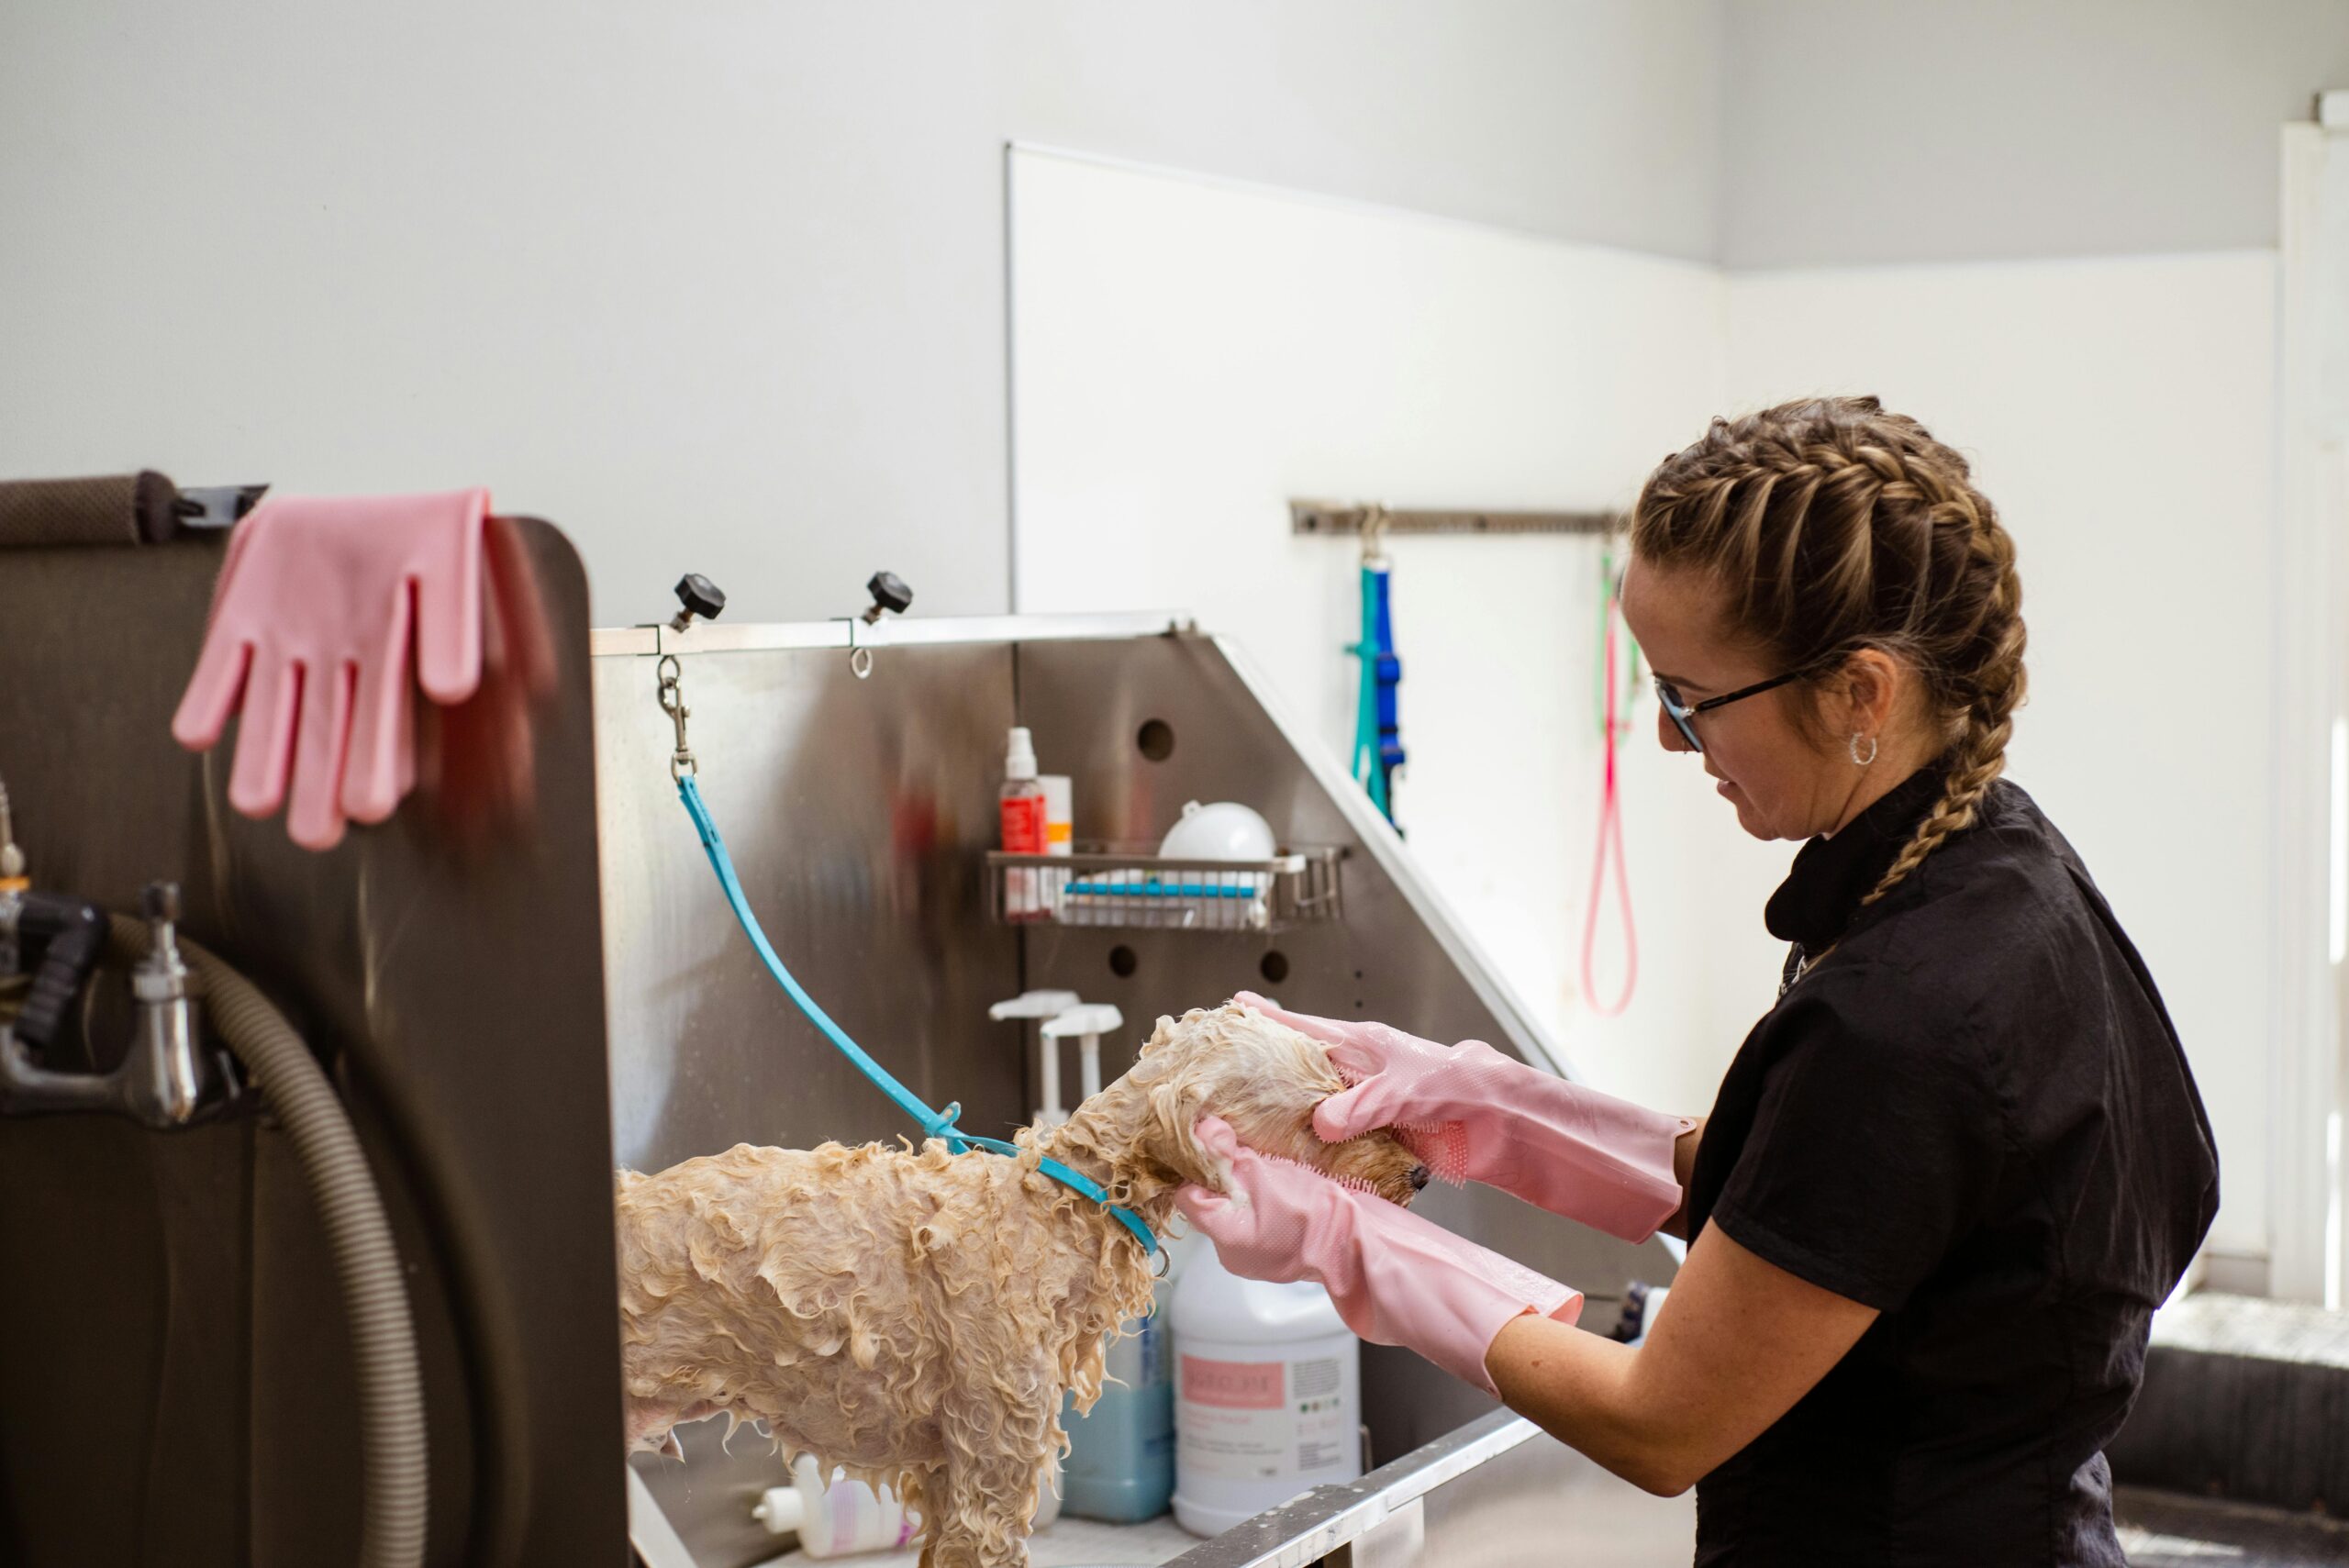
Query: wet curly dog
[(914, 1317)]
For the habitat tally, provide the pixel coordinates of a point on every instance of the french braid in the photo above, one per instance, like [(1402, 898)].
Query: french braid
[(1838, 527)]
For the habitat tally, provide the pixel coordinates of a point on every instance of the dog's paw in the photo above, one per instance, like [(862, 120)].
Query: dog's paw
[(668, 1447)]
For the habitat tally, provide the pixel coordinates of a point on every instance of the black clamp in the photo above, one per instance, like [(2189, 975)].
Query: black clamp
[(60, 940)]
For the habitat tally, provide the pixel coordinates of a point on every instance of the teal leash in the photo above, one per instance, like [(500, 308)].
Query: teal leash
[(933, 1124), (1366, 768)]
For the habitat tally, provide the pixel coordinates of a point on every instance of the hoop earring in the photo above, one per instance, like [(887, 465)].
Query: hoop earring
[(1856, 758)]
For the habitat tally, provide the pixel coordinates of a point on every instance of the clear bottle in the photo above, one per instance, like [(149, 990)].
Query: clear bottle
[(1021, 808)]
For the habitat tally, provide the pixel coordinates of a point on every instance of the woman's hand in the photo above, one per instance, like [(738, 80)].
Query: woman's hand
[(1475, 1115), (1395, 1279), (1398, 1079)]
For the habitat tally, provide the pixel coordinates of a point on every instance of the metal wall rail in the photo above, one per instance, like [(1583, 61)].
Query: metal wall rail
[(1352, 517)]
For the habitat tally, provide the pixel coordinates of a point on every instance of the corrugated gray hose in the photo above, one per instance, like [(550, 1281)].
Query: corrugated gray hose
[(383, 1336)]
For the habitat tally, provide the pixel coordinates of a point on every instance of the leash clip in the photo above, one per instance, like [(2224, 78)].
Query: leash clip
[(672, 703)]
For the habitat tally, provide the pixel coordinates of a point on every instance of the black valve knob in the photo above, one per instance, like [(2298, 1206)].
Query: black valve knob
[(700, 596), (889, 593)]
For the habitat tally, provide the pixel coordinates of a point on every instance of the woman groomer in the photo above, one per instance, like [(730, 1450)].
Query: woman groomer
[(1953, 1170)]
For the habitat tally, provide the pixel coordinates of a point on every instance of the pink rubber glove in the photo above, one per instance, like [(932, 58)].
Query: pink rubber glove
[(479, 759), (1590, 1157), (312, 622), (1396, 1279)]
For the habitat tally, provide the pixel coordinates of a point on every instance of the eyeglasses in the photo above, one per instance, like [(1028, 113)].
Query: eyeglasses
[(1681, 712)]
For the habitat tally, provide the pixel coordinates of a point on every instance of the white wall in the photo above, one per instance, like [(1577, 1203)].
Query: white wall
[(722, 287), (1189, 355), (1855, 131), (2121, 413), (715, 287), (1594, 120)]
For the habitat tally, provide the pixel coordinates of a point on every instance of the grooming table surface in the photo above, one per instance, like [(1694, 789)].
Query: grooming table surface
[(1067, 1543)]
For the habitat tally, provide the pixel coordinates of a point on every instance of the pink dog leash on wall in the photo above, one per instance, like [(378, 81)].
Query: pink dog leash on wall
[(1610, 812)]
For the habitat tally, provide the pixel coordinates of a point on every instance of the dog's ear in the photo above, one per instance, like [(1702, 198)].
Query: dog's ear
[(1175, 1106), (1158, 1037)]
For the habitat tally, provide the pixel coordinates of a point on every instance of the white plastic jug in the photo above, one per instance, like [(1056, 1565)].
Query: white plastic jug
[(1267, 1396)]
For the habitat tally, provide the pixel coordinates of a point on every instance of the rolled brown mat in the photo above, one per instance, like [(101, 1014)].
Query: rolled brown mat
[(121, 508)]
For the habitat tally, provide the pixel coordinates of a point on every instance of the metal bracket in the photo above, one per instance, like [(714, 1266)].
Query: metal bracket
[(216, 505)]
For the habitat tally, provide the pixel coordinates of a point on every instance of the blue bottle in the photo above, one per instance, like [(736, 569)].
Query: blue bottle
[(1120, 1464)]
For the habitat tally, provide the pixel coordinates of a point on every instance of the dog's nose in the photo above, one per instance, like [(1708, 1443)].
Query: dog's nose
[(1418, 1178)]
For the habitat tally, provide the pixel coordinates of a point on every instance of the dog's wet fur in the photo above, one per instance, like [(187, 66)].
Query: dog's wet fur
[(914, 1317)]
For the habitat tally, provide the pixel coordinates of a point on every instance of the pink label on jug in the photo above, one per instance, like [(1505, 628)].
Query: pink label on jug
[(1232, 1386)]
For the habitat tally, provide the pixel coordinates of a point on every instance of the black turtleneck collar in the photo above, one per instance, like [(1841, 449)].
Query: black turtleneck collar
[(1830, 875)]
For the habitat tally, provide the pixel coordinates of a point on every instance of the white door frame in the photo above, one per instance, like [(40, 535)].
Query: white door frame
[(2311, 779)]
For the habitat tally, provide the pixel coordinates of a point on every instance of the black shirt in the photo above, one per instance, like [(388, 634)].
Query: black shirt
[(1973, 1115)]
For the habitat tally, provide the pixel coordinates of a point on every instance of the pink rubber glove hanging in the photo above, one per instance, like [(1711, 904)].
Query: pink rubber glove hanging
[(1394, 1278), (1479, 1115), (316, 610), (480, 758)]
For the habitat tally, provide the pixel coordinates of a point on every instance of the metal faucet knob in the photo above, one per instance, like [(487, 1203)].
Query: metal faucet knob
[(701, 596), (701, 599), (890, 595), (164, 974)]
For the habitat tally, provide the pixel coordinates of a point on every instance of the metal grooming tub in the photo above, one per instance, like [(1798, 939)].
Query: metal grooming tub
[(860, 809)]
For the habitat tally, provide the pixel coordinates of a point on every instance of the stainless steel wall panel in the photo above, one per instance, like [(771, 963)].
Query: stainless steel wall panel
[(858, 813)]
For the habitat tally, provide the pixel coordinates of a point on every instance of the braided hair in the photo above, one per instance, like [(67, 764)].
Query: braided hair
[(1836, 526)]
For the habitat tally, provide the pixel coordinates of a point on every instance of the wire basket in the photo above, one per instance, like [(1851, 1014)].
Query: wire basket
[(1130, 888)]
